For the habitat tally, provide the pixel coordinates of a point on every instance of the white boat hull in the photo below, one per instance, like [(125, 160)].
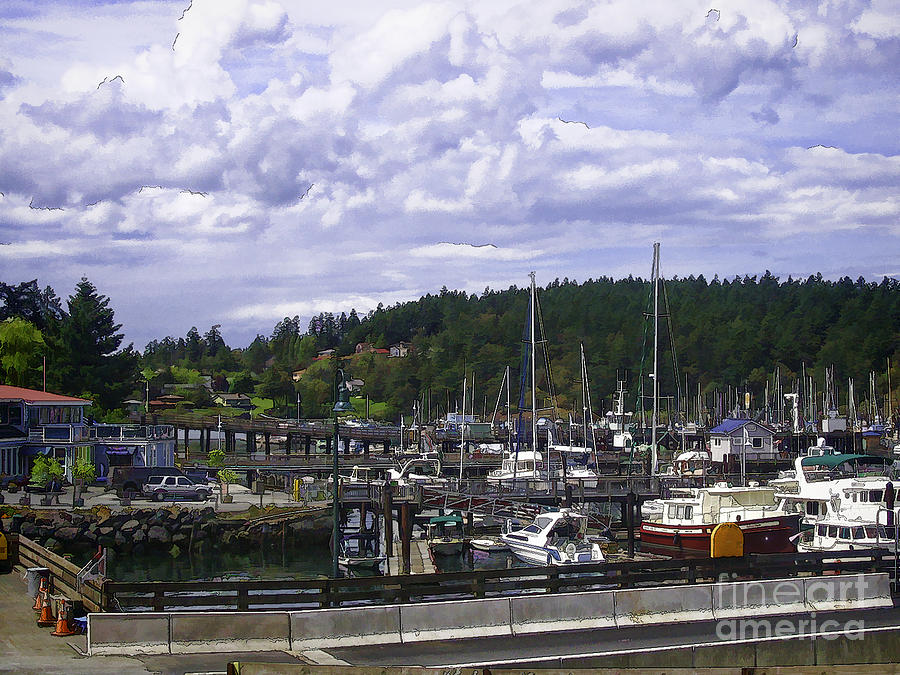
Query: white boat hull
[(487, 544), (548, 555), (361, 563)]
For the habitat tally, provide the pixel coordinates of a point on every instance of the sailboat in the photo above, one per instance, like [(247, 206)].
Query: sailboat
[(518, 464), (654, 422), (575, 458)]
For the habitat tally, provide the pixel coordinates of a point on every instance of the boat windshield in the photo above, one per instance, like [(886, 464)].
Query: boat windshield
[(566, 529)]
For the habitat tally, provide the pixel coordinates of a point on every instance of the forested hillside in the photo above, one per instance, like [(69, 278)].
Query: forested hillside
[(731, 333)]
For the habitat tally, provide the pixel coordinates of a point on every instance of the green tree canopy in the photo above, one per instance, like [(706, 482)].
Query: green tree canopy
[(86, 354), (21, 346)]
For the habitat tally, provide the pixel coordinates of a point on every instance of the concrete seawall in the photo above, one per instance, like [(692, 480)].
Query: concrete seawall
[(183, 632)]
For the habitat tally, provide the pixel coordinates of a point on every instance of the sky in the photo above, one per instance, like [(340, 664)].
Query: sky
[(235, 162)]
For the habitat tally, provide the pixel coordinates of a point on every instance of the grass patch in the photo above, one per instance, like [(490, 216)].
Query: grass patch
[(261, 405), (359, 406)]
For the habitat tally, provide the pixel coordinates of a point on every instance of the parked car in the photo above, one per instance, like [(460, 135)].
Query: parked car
[(131, 478), (159, 488)]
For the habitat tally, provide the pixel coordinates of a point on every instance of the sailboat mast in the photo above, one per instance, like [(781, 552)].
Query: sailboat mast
[(534, 435), (462, 431), (653, 453), (508, 418), (584, 403)]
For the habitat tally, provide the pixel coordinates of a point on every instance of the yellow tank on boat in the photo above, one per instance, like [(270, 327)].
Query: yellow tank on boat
[(726, 541)]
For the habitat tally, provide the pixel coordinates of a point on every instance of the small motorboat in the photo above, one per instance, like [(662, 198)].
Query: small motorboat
[(554, 538), (445, 535), (488, 544), (360, 551)]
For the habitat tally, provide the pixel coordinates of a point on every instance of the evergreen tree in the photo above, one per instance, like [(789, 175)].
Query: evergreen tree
[(86, 354)]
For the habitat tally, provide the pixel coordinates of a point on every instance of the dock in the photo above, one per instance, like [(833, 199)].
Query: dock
[(419, 559)]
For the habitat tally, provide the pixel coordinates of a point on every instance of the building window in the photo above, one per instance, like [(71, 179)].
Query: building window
[(757, 441)]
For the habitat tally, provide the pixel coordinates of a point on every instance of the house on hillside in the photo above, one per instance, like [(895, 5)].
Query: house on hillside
[(297, 375), (364, 348), (325, 354), (167, 402), (239, 401), (400, 350)]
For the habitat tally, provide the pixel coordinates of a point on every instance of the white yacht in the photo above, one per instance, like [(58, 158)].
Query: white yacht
[(518, 466), (845, 534), (576, 470), (833, 485), (554, 538)]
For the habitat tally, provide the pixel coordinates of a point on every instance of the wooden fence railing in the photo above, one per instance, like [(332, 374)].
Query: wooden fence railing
[(63, 574), (314, 593)]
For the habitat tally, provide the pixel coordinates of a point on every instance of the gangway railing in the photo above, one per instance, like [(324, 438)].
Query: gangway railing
[(485, 505)]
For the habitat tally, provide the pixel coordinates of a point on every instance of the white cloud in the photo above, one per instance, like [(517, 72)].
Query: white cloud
[(311, 158)]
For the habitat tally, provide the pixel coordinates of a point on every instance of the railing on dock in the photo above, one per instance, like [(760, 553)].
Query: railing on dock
[(63, 574), (321, 593)]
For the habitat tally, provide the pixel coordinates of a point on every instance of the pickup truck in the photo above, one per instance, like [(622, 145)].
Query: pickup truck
[(159, 488)]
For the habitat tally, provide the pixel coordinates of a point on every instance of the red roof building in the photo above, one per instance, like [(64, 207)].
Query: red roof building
[(33, 396)]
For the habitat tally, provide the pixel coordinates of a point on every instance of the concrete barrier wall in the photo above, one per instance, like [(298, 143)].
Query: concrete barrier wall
[(568, 611), (663, 605), (346, 627), (180, 632), (192, 632), (128, 633), (448, 620), (848, 591), (752, 598)]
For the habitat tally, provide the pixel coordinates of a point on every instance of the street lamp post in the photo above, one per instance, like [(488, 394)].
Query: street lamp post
[(341, 404)]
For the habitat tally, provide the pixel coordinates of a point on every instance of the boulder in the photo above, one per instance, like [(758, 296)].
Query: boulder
[(68, 534), (138, 537), (158, 535), (130, 525)]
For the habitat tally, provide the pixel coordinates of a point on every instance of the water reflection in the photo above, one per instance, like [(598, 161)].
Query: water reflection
[(477, 560), (298, 562)]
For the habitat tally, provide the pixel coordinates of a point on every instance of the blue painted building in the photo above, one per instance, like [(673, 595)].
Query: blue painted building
[(36, 422)]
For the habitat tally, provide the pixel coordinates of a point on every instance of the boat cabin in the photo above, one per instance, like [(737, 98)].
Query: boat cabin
[(720, 503)]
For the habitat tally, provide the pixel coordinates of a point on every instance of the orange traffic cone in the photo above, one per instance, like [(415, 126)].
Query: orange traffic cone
[(63, 629), (46, 617), (42, 590)]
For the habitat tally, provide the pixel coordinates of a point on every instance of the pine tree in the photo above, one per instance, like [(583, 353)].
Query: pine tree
[(86, 355)]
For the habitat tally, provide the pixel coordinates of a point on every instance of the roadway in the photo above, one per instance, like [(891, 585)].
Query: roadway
[(576, 649), (27, 649)]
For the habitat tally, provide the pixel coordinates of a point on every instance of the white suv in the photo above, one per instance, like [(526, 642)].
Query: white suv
[(159, 488)]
